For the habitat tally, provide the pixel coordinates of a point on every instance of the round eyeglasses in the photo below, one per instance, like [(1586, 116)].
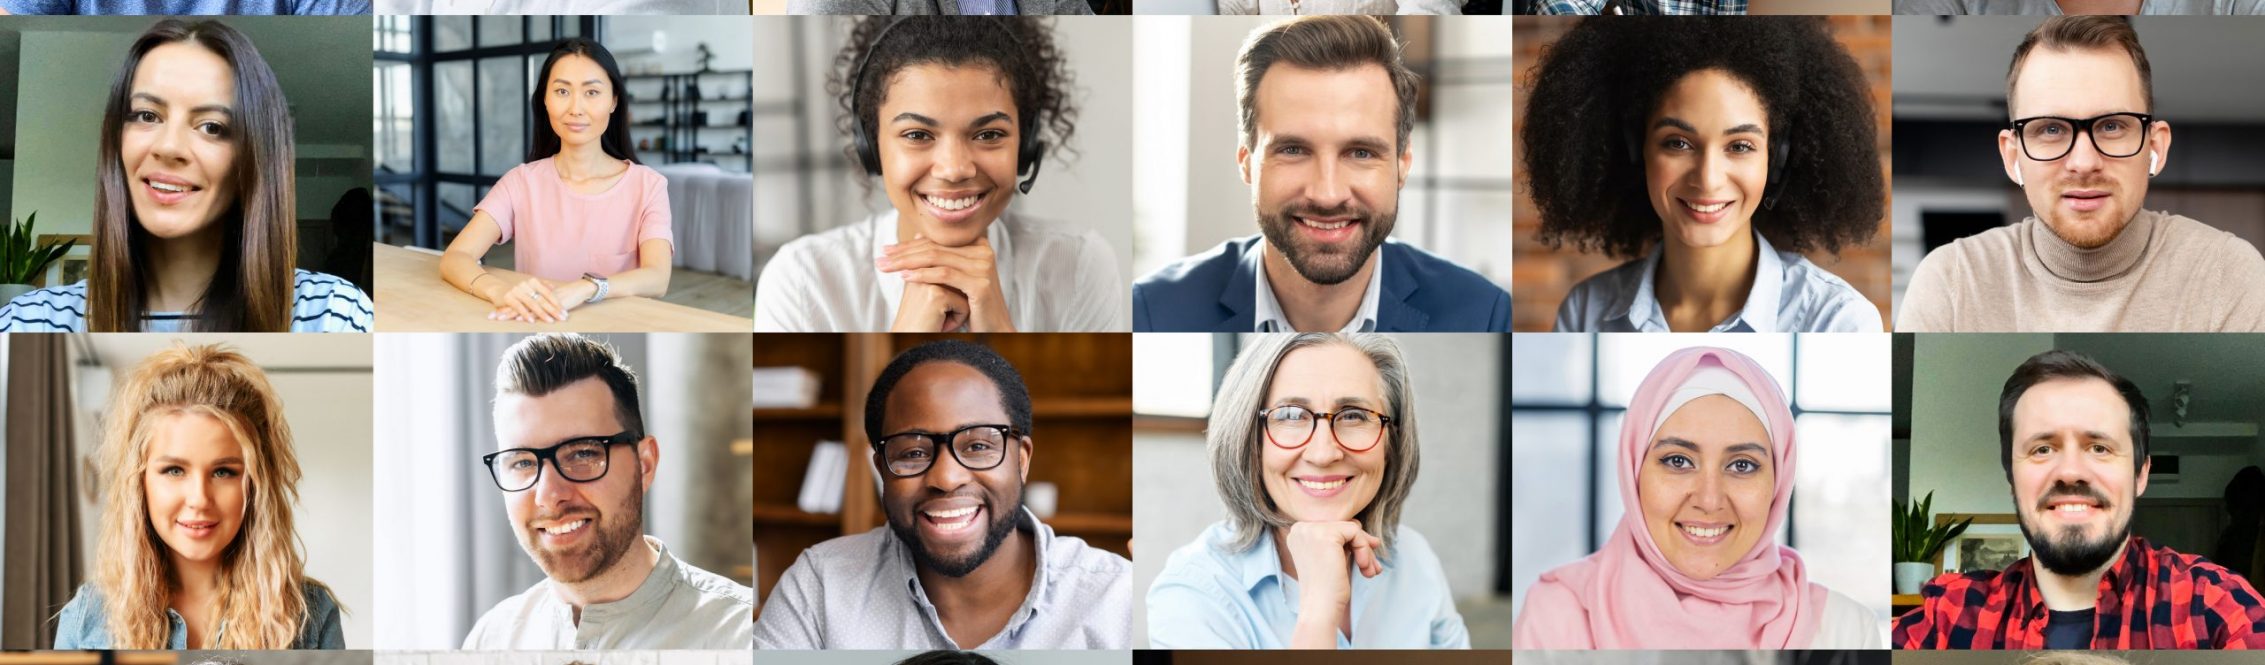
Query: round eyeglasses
[(2046, 138), (977, 447), (1357, 429), (580, 460)]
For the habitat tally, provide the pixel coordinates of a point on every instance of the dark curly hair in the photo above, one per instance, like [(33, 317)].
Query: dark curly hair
[(1021, 48), (1594, 88), (1014, 397)]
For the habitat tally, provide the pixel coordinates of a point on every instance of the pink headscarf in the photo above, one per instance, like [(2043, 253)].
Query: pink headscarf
[(1627, 596)]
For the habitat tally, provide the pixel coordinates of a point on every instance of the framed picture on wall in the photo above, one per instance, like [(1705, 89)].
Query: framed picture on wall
[(73, 266), (1992, 542)]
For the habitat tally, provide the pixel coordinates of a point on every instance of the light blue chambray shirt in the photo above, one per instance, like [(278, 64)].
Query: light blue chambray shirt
[(1790, 294), (2052, 8), (85, 625), (1210, 598)]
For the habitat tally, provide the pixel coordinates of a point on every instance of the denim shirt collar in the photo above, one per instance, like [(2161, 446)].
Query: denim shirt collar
[(1260, 568), (1758, 314)]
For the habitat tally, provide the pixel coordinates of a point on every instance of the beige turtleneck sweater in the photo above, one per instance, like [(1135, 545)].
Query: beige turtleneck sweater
[(2162, 273)]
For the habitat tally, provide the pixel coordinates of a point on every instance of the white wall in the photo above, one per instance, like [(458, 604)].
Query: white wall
[(1956, 380), (1095, 191), (59, 97)]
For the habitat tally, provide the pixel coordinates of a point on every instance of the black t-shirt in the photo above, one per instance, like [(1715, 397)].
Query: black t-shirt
[(2069, 630)]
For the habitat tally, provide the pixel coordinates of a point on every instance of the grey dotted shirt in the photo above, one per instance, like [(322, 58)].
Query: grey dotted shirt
[(861, 592)]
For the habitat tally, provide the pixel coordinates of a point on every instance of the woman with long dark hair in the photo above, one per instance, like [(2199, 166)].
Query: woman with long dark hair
[(585, 219), (194, 221)]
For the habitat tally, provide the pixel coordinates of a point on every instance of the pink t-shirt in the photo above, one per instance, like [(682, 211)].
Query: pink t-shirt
[(563, 234)]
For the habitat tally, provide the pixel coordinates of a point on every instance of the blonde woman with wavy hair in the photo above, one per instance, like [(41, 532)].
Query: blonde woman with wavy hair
[(1314, 452), (197, 547)]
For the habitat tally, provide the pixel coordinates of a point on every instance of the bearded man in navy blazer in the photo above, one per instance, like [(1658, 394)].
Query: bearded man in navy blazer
[(1326, 111)]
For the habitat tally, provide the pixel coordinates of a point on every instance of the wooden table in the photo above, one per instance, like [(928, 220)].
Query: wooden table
[(411, 297)]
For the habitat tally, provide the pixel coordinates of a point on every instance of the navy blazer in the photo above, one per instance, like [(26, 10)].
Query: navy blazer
[(1212, 292)]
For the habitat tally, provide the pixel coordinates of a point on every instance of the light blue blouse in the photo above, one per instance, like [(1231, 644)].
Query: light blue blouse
[(85, 625), (1790, 294), (1210, 598)]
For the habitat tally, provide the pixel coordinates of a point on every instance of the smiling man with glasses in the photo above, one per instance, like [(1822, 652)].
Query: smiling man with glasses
[(961, 564), (2082, 141), (574, 462)]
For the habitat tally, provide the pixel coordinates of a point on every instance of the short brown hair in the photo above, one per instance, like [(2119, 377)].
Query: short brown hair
[(1330, 42), (2081, 33), (542, 364)]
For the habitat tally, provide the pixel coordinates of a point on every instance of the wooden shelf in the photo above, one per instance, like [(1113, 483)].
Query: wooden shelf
[(1091, 523), (790, 515), (1905, 600), (825, 411)]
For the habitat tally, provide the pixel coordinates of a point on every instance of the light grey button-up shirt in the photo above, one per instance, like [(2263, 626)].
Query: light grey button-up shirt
[(677, 607), (862, 592)]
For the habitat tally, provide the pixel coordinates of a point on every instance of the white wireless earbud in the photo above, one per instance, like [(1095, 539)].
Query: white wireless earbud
[(2154, 159), (2017, 178)]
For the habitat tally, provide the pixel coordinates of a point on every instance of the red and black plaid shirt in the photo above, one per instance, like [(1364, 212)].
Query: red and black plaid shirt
[(2154, 598)]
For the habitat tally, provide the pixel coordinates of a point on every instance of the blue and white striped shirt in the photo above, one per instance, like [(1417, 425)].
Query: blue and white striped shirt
[(321, 303)]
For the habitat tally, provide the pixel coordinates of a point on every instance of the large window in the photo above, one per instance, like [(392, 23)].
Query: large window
[(449, 116), (1569, 393)]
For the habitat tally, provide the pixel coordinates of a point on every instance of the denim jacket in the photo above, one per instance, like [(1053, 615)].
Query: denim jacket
[(85, 625)]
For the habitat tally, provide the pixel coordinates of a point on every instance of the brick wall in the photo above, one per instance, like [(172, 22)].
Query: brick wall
[(1540, 276)]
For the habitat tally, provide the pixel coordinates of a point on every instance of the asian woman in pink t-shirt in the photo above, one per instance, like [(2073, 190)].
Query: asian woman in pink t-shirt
[(590, 223)]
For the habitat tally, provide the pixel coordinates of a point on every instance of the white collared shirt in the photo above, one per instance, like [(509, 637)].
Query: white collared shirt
[(1266, 311), (1053, 279), (459, 7), (678, 606)]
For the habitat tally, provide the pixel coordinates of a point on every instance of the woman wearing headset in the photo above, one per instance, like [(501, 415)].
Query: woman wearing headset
[(947, 114)]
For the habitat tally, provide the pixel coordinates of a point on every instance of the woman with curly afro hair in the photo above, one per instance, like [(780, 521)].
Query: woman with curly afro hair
[(951, 117), (1713, 152)]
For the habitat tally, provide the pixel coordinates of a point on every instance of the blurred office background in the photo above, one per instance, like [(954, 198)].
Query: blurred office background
[(55, 74), (450, 116), (1546, 275), (56, 393), (1192, 197), (1950, 104), (1570, 392), (808, 184), (450, 553), (1460, 500)]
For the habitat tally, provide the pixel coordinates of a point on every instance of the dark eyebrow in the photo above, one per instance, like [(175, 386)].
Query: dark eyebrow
[(1748, 128), (915, 117), (1738, 448), (208, 108), (996, 116), (589, 82)]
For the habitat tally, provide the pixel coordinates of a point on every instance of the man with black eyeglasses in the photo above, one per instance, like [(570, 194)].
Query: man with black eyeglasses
[(574, 462), (2081, 141), (961, 564)]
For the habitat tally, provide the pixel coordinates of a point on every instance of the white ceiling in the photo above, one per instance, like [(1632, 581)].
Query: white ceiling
[(2204, 67), (272, 351)]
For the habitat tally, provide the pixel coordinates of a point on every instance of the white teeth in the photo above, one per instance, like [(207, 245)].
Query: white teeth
[(162, 187), (2073, 508), (961, 203), (951, 514), (1705, 533), (1706, 208), (1332, 226), (1334, 484), (570, 527)]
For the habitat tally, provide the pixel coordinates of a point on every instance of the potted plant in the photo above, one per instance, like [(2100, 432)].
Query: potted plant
[(1917, 542), (22, 261)]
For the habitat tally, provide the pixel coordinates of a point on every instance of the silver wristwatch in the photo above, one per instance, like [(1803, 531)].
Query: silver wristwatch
[(602, 287)]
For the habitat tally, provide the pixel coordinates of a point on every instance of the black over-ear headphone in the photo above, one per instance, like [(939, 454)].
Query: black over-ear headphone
[(1779, 149), (1030, 149)]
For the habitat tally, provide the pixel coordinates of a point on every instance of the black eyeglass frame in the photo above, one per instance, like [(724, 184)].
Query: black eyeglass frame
[(1008, 435), (551, 455), (2081, 126), (1384, 423)]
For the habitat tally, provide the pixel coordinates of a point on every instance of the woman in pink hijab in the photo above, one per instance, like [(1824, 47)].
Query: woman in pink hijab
[(1706, 471)]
